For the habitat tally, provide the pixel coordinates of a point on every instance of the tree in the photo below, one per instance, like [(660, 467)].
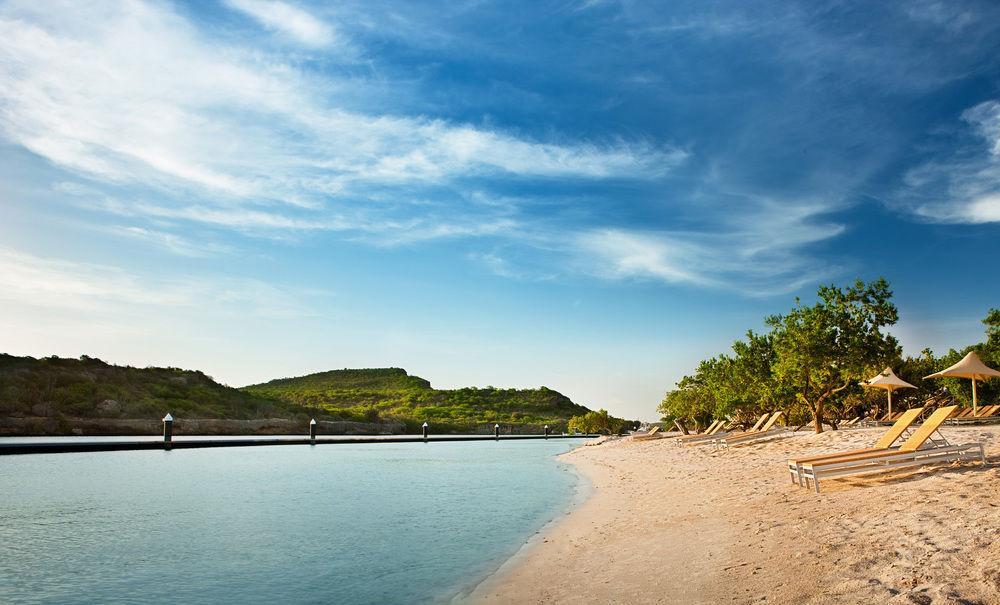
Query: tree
[(992, 323), (824, 348), (596, 422), (739, 386)]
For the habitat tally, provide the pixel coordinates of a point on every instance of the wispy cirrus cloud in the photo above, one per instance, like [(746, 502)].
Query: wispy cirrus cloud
[(172, 242), (244, 138), (288, 19), (964, 186), (228, 121), (40, 282), (757, 251)]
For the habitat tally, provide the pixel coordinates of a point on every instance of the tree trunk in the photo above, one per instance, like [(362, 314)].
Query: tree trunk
[(818, 417)]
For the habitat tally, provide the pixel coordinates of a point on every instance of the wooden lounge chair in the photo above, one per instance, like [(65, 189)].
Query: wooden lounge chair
[(911, 453), (984, 412), (711, 430), (702, 439), (884, 443), (851, 422), (767, 430), (990, 411), (653, 433)]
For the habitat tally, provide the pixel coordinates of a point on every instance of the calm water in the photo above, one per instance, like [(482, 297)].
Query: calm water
[(390, 523)]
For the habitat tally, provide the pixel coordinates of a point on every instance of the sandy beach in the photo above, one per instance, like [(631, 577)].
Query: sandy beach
[(673, 524)]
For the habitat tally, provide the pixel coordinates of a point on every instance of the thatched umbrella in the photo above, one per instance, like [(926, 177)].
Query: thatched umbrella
[(890, 382), (970, 367)]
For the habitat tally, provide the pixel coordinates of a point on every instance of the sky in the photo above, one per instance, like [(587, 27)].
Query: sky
[(589, 195)]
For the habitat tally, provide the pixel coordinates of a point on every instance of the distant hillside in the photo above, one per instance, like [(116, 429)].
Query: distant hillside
[(390, 393), (87, 392), (90, 388)]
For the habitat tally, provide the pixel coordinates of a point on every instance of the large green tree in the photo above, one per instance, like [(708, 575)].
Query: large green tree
[(824, 348), (740, 385)]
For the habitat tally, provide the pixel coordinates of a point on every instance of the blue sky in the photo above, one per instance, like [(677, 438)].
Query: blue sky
[(589, 195)]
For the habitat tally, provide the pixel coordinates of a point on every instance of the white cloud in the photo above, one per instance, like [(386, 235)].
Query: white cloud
[(176, 244), (78, 87), (287, 19), (757, 251), (626, 253), (984, 210), (42, 282), (234, 138), (964, 188)]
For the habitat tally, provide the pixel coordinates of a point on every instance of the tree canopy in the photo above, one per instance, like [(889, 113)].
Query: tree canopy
[(811, 361)]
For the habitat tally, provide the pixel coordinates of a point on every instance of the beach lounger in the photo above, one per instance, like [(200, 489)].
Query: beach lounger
[(766, 431), (893, 418), (985, 413), (851, 422), (711, 430), (911, 453), (884, 443), (653, 433), (760, 422), (702, 439)]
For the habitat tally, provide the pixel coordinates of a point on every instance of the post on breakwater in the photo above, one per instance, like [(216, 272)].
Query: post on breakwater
[(546, 431), (425, 431), (496, 431), (168, 430), (312, 432)]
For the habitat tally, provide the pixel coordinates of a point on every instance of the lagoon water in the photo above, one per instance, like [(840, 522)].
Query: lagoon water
[(376, 523)]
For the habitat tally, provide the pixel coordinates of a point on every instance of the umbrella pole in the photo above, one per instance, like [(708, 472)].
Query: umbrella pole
[(975, 402), (889, 393)]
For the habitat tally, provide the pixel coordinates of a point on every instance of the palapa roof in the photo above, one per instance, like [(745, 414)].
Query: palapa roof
[(889, 381), (970, 367)]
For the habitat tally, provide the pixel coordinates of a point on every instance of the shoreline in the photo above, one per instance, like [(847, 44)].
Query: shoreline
[(582, 491), (672, 524)]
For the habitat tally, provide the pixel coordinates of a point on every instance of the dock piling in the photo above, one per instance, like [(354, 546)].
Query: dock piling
[(312, 432), (168, 430), (425, 431), (496, 431), (546, 431)]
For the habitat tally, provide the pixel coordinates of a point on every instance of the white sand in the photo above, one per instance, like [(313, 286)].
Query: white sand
[(672, 524)]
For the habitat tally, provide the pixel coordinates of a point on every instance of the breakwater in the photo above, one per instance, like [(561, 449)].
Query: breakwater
[(70, 446)]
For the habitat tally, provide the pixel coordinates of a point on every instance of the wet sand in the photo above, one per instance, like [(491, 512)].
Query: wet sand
[(673, 524)]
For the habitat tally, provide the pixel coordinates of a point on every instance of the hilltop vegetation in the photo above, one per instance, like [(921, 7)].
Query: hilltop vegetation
[(88, 387), (374, 395), (61, 388)]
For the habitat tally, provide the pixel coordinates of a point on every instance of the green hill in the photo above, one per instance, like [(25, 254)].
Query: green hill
[(390, 393), (88, 388)]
